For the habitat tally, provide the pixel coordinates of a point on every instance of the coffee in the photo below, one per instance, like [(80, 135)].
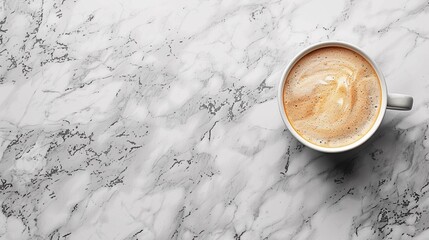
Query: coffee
[(332, 96)]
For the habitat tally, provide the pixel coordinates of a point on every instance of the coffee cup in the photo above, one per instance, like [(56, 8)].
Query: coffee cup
[(334, 88)]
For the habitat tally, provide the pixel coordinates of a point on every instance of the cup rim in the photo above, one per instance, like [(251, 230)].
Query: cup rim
[(377, 122)]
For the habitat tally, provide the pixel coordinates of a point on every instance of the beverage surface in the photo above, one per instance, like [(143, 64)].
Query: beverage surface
[(332, 96)]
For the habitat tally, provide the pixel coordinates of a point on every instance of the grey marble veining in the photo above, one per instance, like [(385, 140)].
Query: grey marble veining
[(158, 120)]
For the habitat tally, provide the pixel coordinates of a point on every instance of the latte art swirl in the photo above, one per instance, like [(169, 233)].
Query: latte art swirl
[(332, 97)]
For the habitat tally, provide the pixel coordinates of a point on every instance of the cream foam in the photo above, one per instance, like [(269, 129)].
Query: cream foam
[(332, 96)]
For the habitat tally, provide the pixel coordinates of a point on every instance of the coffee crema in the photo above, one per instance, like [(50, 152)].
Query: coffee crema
[(332, 96)]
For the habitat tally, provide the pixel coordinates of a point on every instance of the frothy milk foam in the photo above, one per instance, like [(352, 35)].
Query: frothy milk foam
[(332, 96)]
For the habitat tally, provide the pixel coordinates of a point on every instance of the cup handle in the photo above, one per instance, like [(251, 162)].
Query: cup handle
[(397, 101)]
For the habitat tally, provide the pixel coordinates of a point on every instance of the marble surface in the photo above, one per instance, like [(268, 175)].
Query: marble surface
[(158, 120)]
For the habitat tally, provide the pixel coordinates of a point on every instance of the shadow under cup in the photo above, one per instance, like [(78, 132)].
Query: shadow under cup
[(398, 102)]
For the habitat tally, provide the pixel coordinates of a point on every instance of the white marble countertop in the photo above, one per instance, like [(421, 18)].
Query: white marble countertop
[(158, 120)]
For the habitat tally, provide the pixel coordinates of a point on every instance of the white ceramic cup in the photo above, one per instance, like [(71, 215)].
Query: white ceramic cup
[(388, 100)]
